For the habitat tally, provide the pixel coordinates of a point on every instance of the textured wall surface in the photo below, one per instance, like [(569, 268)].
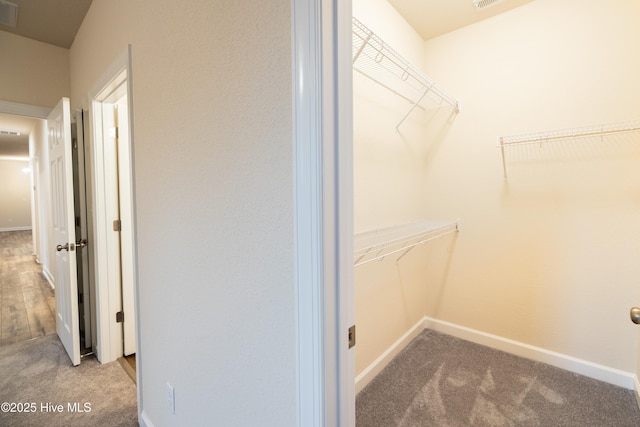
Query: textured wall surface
[(15, 199), (212, 138), (32, 72)]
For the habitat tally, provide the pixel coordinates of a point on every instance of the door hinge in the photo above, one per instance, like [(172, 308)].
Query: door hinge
[(117, 225), (120, 317), (352, 336), (113, 132)]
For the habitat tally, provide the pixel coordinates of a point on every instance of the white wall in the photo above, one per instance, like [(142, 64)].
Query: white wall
[(32, 72), (388, 165), (40, 161), (214, 183), (37, 75), (15, 198), (389, 186), (550, 257)]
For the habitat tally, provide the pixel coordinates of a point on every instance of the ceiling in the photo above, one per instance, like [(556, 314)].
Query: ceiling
[(57, 21), (50, 21), (54, 22), (431, 18)]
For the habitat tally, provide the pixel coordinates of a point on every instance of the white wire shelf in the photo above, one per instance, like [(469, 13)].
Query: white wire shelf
[(561, 135), (375, 245), (374, 59)]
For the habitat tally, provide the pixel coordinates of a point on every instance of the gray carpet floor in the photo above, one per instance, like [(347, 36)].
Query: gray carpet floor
[(37, 376), (440, 380)]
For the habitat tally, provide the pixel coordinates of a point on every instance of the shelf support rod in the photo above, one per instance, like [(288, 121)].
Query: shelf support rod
[(504, 163), (414, 106), (405, 252), (362, 46)]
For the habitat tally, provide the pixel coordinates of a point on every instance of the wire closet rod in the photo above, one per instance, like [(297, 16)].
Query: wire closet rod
[(559, 135), (378, 244)]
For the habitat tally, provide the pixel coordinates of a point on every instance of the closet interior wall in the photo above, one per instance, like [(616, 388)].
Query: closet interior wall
[(389, 189), (548, 258)]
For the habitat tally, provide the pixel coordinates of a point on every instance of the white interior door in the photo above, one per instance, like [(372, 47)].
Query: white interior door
[(64, 236)]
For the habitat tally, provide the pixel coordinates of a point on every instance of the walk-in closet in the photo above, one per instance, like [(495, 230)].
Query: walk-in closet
[(497, 183)]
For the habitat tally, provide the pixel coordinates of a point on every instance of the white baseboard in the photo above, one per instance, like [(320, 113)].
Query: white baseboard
[(599, 372), (47, 275), (379, 364), (26, 227), (559, 360)]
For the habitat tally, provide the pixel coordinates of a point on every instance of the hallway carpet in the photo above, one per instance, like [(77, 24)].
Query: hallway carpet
[(46, 390), (440, 380)]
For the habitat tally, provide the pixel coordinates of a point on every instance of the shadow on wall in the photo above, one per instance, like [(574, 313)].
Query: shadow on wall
[(394, 295), (436, 124)]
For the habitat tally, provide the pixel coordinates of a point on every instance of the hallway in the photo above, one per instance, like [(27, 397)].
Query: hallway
[(27, 302)]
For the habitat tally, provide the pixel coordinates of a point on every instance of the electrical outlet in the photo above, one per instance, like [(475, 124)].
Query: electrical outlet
[(171, 398)]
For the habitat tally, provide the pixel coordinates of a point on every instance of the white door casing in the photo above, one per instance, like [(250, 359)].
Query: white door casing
[(114, 252), (62, 215), (322, 76)]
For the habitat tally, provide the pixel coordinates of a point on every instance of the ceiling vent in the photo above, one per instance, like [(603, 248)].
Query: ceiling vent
[(9, 133), (8, 13), (483, 4)]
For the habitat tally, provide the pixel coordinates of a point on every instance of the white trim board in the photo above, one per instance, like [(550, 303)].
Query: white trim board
[(323, 211), (47, 275), (583, 367), (14, 158), (371, 371), (309, 239), (15, 108), (106, 246), (27, 227), (538, 354)]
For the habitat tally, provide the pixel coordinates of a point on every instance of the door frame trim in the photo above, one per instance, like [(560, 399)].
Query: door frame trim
[(108, 293), (26, 110), (323, 168)]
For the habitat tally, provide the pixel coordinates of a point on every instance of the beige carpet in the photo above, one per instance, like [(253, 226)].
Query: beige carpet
[(40, 387), (439, 380)]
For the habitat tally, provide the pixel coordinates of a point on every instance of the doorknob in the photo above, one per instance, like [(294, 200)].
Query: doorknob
[(635, 315), (66, 247), (81, 243)]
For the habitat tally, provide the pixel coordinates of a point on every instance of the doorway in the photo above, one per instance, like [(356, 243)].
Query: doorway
[(31, 312), (86, 302), (27, 308), (110, 113), (111, 325)]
